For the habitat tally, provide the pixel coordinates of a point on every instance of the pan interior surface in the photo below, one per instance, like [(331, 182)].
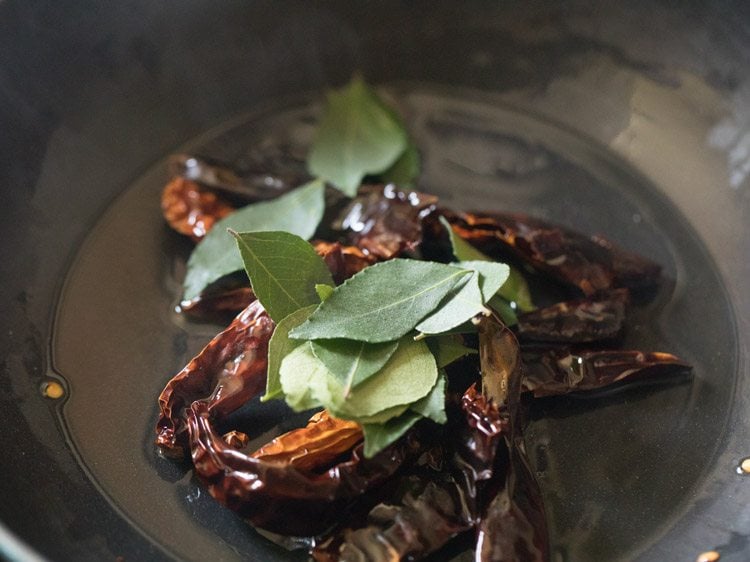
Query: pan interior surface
[(630, 119), (617, 470)]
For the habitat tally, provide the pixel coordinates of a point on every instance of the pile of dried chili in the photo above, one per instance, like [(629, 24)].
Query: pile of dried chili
[(469, 477)]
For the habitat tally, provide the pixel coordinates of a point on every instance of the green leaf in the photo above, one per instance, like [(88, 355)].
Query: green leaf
[(382, 302), (407, 376), (458, 308), (469, 299), (432, 406), (447, 349), (385, 415), (405, 170), (515, 289), (379, 436), (298, 212), (504, 309), (356, 136), (461, 248), (352, 362), (324, 291), (283, 270), (279, 347), (304, 379), (492, 276)]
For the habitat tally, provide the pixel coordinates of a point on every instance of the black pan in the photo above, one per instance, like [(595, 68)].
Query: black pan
[(632, 121)]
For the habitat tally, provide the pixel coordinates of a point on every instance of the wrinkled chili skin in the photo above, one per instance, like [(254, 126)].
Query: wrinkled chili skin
[(591, 264), (560, 370), (343, 261), (483, 482), (434, 500), (513, 528), (591, 319), (499, 359), (302, 482), (190, 209), (384, 221), (209, 305), (240, 185), (203, 190), (276, 496), (229, 371), (314, 447)]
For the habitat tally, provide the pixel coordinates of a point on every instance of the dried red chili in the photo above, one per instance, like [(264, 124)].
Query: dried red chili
[(343, 261), (433, 501), (215, 302), (280, 497), (554, 371), (591, 264), (290, 498), (513, 527), (483, 480), (384, 221), (230, 370), (244, 185), (313, 447), (302, 481), (584, 320), (191, 209)]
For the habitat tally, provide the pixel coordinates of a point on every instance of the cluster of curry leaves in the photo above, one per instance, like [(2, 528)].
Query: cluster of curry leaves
[(358, 135), (373, 349)]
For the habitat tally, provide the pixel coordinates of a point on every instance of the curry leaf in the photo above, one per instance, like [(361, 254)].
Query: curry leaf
[(504, 309), (515, 289), (382, 302), (465, 328), (492, 276), (461, 306), (279, 347), (283, 270), (469, 300), (405, 170), (352, 362), (356, 136), (461, 248), (407, 376), (385, 415), (432, 406), (303, 379), (379, 436), (298, 212), (447, 349)]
